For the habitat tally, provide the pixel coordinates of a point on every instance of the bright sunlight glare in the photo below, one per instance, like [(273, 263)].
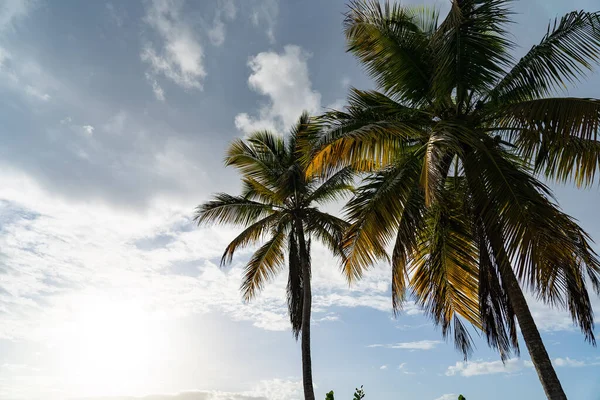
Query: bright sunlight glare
[(109, 346)]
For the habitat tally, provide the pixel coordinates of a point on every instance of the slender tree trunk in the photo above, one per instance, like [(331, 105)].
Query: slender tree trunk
[(531, 335), (533, 340), (307, 381)]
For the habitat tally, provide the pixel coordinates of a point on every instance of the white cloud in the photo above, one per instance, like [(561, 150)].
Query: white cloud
[(402, 368), (25, 77), (30, 90), (265, 13), (13, 10), (284, 78), (274, 389), (383, 367), (61, 252), (226, 11), (448, 396), (474, 368), (419, 345), (247, 124), (570, 362), (180, 55), (88, 130), (158, 91)]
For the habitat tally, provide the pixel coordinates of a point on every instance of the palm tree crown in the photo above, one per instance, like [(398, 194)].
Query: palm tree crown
[(279, 204), (453, 144)]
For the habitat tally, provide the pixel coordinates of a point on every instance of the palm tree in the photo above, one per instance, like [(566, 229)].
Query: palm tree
[(279, 203), (454, 143)]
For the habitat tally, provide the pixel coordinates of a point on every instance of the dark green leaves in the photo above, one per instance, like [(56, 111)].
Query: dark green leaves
[(570, 47)]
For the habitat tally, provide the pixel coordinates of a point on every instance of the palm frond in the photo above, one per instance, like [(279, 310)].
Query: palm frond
[(264, 264), (389, 41), (498, 320), (228, 209), (254, 161), (375, 213), (368, 135), (570, 47), (334, 188), (257, 191), (559, 135), (551, 254), (252, 235), (407, 240), (328, 229), (444, 269), (471, 48)]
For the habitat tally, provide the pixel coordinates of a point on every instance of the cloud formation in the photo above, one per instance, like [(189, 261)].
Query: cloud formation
[(418, 345), (265, 13), (226, 11), (474, 368), (284, 79), (13, 10), (179, 54), (448, 396)]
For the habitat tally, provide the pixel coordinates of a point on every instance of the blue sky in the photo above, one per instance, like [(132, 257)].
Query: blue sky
[(115, 116)]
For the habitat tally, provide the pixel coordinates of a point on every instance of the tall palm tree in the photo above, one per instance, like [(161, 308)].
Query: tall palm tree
[(279, 203), (455, 141)]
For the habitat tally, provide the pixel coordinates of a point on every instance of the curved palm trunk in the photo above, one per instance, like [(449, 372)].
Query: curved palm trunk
[(309, 393), (533, 340)]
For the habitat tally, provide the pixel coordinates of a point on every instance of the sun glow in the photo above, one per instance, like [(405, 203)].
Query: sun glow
[(110, 346)]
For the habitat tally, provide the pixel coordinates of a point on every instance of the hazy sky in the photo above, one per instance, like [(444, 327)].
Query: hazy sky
[(114, 119)]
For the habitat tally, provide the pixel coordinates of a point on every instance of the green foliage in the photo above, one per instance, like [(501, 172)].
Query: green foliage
[(461, 397), (277, 208), (452, 146), (359, 393)]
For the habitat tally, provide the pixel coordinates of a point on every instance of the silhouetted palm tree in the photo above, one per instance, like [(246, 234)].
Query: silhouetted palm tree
[(279, 203)]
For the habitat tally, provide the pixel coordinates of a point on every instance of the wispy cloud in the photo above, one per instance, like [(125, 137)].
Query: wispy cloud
[(265, 13), (24, 77), (179, 54), (403, 368), (573, 363), (12, 11), (448, 396), (511, 366), (474, 368), (226, 11), (418, 345)]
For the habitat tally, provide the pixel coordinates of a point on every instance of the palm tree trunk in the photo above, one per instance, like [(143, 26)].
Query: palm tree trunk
[(307, 381), (531, 335)]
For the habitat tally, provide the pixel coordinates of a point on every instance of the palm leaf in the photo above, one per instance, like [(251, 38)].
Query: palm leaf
[(251, 235), (228, 209), (375, 213), (560, 135), (368, 135), (264, 264), (445, 269), (570, 47), (470, 49), (390, 43)]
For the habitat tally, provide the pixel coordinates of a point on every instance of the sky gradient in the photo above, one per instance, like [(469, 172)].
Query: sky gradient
[(115, 117)]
